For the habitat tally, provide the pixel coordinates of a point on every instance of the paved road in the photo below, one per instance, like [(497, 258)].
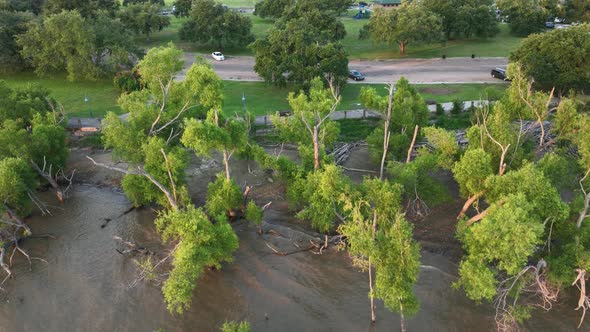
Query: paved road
[(453, 70)]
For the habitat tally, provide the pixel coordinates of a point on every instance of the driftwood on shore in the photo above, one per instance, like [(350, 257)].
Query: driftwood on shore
[(342, 151)]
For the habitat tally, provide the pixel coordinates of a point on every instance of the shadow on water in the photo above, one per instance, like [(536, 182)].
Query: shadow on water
[(84, 286)]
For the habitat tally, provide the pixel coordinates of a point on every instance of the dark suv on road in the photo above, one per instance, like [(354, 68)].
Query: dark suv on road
[(499, 73), (356, 75)]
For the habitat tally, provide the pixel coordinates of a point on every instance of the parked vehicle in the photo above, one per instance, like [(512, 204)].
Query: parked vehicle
[(356, 75), (549, 25), (218, 56), (500, 74)]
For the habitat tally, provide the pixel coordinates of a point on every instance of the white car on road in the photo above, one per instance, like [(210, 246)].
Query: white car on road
[(218, 56)]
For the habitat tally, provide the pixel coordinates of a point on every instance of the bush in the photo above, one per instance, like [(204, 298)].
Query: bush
[(439, 109), (223, 197), (457, 107), (127, 81)]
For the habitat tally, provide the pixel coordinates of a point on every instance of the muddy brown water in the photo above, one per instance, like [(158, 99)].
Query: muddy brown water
[(84, 285)]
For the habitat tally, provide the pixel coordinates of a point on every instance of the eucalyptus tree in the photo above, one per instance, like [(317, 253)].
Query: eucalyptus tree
[(379, 238), (149, 142), (310, 126), (420, 189), (405, 110), (32, 150)]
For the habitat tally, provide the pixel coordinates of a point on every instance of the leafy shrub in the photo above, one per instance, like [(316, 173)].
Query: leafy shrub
[(127, 81)]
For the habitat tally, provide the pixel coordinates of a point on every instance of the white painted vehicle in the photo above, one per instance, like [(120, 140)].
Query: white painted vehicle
[(218, 56)]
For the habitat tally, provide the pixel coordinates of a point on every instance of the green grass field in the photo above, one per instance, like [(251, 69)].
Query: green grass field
[(102, 95), (261, 98), (499, 46)]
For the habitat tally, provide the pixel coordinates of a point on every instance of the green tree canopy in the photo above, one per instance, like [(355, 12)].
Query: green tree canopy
[(212, 24), (62, 42), (11, 25), (302, 45), (408, 110), (379, 237), (200, 244), (310, 126), (465, 18), (565, 66), (143, 18), (87, 8), (272, 8), (83, 48), (319, 195), (182, 8), (33, 6), (411, 23), (133, 2), (524, 16), (577, 11)]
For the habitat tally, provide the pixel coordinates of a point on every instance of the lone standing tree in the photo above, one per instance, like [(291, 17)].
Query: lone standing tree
[(411, 23)]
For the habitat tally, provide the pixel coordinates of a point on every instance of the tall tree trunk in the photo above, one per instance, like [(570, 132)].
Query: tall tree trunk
[(542, 137), (468, 203), (316, 149), (402, 48), (402, 320), (386, 133), (412, 144), (584, 212), (226, 163), (371, 295)]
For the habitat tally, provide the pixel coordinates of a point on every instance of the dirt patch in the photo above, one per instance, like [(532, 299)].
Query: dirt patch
[(438, 90)]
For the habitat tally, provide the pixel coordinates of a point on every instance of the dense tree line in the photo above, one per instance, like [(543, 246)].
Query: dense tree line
[(524, 16), (33, 153), (564, 67), (303, 43), (210, 23), (86, 40), (431, 21)]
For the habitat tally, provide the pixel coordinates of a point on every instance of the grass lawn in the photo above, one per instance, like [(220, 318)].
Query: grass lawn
[(499, 46), (261, 98), (102, 94)]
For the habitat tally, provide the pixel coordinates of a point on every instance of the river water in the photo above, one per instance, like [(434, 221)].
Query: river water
[(84, 285)]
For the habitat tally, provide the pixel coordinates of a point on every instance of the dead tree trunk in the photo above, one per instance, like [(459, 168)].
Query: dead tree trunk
[(19, 223), (58, 192)]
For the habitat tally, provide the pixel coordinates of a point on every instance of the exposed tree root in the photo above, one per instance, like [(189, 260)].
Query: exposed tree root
[(584, 301), (530, 282)]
